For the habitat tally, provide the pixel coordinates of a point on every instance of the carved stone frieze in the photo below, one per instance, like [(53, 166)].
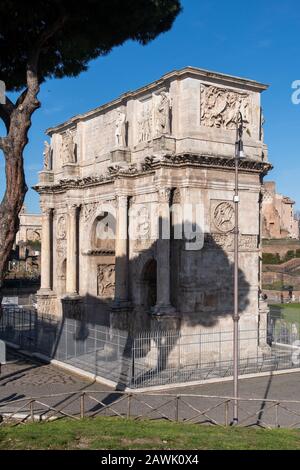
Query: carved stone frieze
[(106, 280), (220, 107), (226, 241), (150, 164), (61, 231)]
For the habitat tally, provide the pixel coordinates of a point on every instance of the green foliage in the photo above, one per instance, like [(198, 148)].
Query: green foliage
[(116, 433), (290, 313), (298, 253), (289, 255), (276, 285), (35, 245), (271, 258), (69, 34)]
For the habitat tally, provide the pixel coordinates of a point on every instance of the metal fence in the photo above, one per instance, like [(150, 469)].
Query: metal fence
[(185, 408), (152, 358)]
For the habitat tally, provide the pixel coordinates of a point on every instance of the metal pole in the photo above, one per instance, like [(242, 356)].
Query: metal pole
[(236, 316), (236, 299)]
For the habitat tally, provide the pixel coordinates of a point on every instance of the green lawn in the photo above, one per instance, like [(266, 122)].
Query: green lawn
[(289, 312), (116, 433)]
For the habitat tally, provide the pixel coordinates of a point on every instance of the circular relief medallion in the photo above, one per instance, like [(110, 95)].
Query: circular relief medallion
[(224, 217)]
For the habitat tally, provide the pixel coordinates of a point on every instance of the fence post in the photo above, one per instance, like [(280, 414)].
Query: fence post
[(129, 406), (132, 364), (177, 408), (227, 413), (82, 405), (31, 407), (276, 416)]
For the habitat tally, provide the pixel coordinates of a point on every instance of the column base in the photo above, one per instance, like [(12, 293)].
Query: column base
[(44, 292), (164, 311), (166, 320), (46, 302), (121, 305), (72, 306), (73, 296), (120, 317)]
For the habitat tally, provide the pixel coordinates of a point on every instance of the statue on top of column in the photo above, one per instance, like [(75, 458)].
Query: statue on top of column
[(162, 114), (47, 156), (120, 132), (68, 148), (262, 123)]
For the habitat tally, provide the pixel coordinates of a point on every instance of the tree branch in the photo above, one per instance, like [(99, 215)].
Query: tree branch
[(32, 65), (6, 111), (47, 34), (21, 97)]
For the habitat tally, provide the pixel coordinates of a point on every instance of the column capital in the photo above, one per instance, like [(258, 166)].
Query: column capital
[(47, 211), (164, 194), (122, 200), (73, 207)]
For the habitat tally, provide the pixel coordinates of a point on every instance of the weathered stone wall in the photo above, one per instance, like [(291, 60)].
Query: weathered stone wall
[(118, 170), (278, 214)]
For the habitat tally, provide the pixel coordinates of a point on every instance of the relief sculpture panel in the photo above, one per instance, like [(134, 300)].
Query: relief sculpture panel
[(61, 236), (220, 107), (106, 280), (222, 216)]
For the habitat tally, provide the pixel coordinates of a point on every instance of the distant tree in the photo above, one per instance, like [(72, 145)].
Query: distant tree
[(271, 258), (291, 254), (54, 39)]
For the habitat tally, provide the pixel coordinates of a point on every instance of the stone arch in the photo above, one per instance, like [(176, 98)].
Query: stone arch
[(102, 235), (91, 217), (98, 246)]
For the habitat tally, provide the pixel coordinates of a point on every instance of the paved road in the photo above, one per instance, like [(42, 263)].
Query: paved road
[(23, 377)]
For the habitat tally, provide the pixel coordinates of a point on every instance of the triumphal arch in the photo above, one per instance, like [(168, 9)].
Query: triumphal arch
[(138, 212)]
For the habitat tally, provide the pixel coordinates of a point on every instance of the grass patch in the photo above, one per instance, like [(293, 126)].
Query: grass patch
[(288, 312), (116, 433)]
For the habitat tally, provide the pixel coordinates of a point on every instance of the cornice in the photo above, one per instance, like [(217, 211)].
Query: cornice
[(151, 164)]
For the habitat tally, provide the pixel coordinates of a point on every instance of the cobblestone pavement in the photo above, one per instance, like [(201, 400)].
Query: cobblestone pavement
[(26, 376), (23, 377)]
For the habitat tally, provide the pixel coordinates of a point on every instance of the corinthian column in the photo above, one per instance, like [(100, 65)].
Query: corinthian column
[(121, 250), (163, 303), (72, 251), (46, 253)]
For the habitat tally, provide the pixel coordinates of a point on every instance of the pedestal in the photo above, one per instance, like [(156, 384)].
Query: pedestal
[(120, 155), (121, 316), (263, 326), (72, 307), (166, 320), (70, 170), (164, 144), (46, 302), (46, 176)]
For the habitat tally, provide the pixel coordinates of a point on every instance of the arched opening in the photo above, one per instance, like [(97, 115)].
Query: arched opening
[(103, 233), (150, 284)]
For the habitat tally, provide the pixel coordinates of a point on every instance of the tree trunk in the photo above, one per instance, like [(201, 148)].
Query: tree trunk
[(18, 123), (10, 206)]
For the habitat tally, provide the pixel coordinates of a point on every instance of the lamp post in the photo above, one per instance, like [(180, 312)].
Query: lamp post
[(239, 154)]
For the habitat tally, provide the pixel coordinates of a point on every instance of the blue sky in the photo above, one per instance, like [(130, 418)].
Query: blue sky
[(258, 39)]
